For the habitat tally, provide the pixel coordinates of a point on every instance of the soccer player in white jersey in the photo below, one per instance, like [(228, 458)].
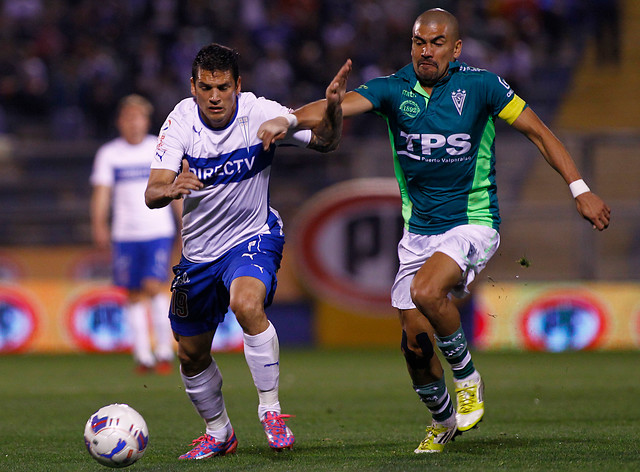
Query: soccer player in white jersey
[(208, 154), (141, 239)]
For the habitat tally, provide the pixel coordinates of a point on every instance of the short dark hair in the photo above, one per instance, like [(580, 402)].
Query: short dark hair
[(216, 57)]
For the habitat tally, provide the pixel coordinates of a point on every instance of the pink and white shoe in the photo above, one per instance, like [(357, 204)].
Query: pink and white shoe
[(207, 446), (279, 435)]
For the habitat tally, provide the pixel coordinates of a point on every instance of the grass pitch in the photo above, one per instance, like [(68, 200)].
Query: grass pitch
[(355, 411)]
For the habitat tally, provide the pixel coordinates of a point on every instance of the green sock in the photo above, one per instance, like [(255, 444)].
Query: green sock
[(437, 399), (455, 351)]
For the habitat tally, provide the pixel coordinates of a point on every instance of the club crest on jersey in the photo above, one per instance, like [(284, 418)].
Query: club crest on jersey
[(458, 99), (243, 121)]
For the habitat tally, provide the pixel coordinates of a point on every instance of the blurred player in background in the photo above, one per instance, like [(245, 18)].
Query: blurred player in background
[(208, 154), (441, 116), (141, 239)]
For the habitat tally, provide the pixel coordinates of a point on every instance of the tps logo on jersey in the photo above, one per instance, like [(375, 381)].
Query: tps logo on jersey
[(457, 144), (458, 99), (563, 321), (18, 321), (97, 320)]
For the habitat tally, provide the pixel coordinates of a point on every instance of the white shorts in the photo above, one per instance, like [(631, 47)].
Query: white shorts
[(470, 246)]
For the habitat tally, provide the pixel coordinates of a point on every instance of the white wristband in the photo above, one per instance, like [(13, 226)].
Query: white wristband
[(292, 119), (578, 187)]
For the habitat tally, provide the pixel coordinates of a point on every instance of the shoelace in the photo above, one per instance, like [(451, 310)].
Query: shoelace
[(430, 437), (431, 433), (466, 397), (276, 423), (202, 439)]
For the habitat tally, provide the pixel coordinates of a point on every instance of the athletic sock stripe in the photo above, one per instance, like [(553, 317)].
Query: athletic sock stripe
[(443, 406), (462, 364)]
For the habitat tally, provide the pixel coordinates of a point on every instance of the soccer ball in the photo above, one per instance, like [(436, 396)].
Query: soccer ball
[(116, 435)]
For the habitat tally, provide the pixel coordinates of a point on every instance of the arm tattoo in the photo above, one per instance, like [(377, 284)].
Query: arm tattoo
[(326, 135)]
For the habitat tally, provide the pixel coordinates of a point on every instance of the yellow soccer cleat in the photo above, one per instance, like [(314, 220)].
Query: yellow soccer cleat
[(470, 397), (437, 436)]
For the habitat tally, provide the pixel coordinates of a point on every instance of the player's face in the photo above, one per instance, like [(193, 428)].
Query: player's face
[(133, 123), (432, 47), (215, 93)]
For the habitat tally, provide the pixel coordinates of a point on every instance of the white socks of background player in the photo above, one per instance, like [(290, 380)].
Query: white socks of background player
[(162, 327), (262, 352), (205, 392), (137, 317)]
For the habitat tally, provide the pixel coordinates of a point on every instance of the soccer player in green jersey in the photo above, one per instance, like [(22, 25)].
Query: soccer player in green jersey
[(441, 118)]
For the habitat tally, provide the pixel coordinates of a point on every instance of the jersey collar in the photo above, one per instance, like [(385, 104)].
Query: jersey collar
[(231, 121), (407, 73)]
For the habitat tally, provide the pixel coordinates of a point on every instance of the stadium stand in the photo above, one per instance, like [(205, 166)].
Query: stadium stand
[(64, 64)]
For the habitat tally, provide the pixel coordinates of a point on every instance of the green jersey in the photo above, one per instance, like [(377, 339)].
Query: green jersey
[(443, 144)]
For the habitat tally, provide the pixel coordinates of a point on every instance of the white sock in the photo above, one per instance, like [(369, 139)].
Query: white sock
[(220, 427), (262, 352), (139, 323), (264, 407), (474, 377), (205, 392), (164, 347), (449, 422)]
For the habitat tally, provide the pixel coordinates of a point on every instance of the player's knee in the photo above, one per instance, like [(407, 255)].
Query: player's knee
[(428, 298), (192, 364), (194, 355), (417, 350), (246, 309)]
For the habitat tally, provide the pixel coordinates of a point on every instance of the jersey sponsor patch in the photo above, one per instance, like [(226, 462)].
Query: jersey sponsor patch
[(235, 166), (421, 145), (160, 149), (131, 173), (410, 108)]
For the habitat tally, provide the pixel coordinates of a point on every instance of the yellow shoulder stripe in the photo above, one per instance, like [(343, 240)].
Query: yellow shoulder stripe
[(512, 110)]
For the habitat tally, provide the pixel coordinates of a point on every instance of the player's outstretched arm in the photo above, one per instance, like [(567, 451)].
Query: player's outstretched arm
[(589, 205), (310, 115), (165, 185), (327, 133)]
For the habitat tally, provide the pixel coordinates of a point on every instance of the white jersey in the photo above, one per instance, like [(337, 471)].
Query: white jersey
[(233, 206), (125, 168)]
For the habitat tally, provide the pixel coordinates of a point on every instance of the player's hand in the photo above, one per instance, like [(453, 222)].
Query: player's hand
[(185, 182), (272, 130), (338, 87), (276, 129), (594, 210)]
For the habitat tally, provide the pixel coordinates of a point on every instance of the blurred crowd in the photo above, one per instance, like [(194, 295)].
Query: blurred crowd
[(65, 63)]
